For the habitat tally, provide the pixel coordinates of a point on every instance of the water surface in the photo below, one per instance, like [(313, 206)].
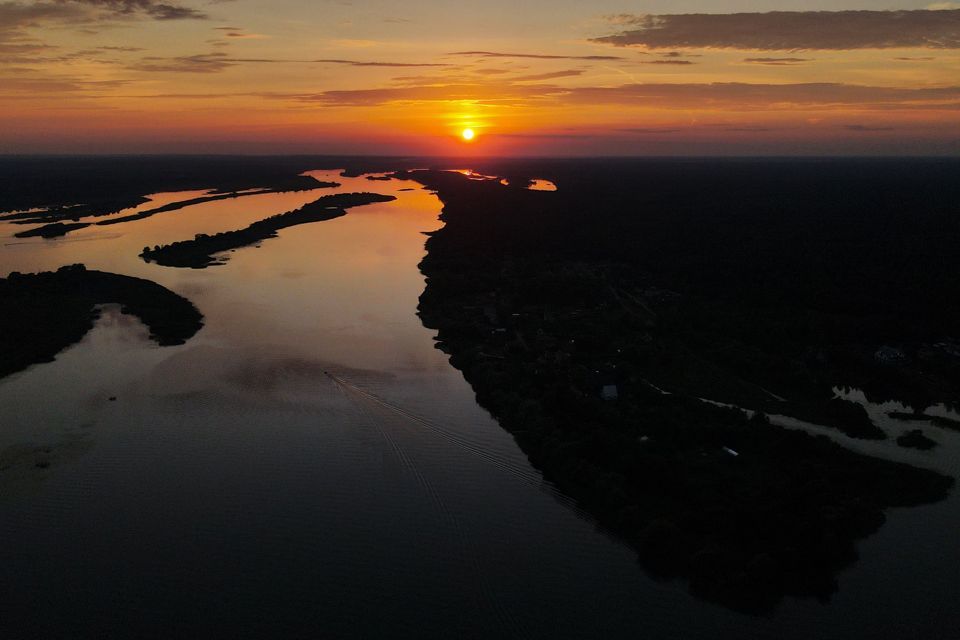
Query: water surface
[(310, 465)]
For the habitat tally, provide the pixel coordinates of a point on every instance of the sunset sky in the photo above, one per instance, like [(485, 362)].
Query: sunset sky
[(558, 77)]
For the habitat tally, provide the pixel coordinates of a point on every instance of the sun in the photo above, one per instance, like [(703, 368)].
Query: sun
[(468, 134)]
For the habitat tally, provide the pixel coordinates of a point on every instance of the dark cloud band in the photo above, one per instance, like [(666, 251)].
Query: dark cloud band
[(152, 8), (792, 30)]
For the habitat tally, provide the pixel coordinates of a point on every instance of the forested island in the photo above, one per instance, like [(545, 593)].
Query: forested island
[(44, 313), (52, 230), (110, 207), (606, 324), (67, 187), (198, 253)]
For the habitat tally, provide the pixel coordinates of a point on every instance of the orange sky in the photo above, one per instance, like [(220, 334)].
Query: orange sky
[(548, 78)]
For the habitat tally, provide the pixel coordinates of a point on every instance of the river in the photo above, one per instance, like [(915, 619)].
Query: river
[(310, 465)]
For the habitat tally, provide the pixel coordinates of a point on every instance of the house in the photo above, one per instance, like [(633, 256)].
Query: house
[(949, 347), (889, 355), (609, 392)]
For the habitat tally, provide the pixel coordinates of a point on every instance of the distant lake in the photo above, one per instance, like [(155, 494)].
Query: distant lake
[(309, 465)]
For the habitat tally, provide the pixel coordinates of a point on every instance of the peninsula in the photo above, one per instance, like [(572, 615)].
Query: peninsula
[(619, 376)]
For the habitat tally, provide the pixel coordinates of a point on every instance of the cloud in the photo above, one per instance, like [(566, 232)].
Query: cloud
[(239, 33), (778, 62), (567, 73), (794, 30), (685, 96), (538, 56), (362, 63), (421, 80), (18, 18), (487, 93), (457, 76), (646, 130), (620, 18), (27, 87), (772, 97), (15, 20), (43, 54), (747, 129), (218, 61), (667, 61), (151, 8), (199, 63), (21, 14), (354, 43), (547, 136), (863, 127)]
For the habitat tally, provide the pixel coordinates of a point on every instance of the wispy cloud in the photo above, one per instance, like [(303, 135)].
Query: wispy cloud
[(537, 56), (552, 75), (199, 63), (487, 93), (239, 33), (649, 130), (366, 63), (747, 129), (18, 86), (112, 8), (219, 61), (740, 96), (778, 62), (773, 97), (793, 30), (19, 19), (866, 128)]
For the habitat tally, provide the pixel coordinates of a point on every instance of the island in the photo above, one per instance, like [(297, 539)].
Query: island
[(46, 189), (296, 183), (52, 230), (198, 253), (44, 313), (56, 229)]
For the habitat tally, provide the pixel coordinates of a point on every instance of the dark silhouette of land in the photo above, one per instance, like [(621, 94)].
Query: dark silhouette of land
[(44, 313), (198, 253), (55, 229), (592, 322), (103, 185), (619, 326), (52, 230), (64, 210), (302, 183)]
